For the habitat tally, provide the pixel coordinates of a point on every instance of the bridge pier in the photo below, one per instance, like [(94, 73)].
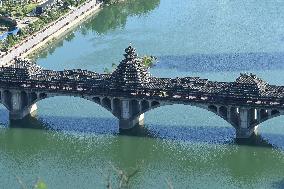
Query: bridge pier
[(130, 123), (130, 114), (20, 114), (245, 128), (18, 105)]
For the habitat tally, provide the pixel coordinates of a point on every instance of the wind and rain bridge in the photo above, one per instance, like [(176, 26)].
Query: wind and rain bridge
[(130, 91)]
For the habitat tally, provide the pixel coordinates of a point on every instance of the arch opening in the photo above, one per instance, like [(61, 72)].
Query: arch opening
[(272, 130), (106, 102), (275, 112), (188, 123), (97, 100), (155, 103), (76, 114), (42, 95), (223, 111), (74, 105), (212, 108), (145, 105)]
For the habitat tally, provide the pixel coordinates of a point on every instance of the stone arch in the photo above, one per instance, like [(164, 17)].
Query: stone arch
[(223, 112), (224, 109), (105, 103)]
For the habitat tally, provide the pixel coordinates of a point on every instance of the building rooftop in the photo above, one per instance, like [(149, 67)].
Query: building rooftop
[(130, 73)]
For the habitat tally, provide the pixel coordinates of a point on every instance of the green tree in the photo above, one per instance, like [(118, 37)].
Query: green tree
[(40, 185), (11, 40)]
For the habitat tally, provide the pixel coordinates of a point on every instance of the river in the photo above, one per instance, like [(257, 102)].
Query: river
[(73, 143)]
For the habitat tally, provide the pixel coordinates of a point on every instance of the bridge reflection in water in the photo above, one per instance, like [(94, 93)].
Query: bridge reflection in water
[(204, 134), (130, 91)]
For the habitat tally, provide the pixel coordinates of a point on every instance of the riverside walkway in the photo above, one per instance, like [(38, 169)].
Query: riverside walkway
[(130, 91)]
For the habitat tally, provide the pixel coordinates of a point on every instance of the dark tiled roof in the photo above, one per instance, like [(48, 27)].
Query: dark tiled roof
[(132, 76)]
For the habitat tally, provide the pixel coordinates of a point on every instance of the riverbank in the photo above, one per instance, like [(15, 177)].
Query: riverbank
[(52, 31), (62, 31)]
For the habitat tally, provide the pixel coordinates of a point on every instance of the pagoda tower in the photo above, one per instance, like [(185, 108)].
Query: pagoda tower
[(249, 82), (130, 74)]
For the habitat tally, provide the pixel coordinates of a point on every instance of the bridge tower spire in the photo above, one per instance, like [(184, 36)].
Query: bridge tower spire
[(130, 74)]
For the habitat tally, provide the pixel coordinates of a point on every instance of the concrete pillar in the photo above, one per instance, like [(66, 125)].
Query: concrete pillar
[(140, 106), (269, 112), (112, 104), (244, 129), (228, 112), (126, 110), (218, 109), (16, 101), (128, 120), (17, 111)]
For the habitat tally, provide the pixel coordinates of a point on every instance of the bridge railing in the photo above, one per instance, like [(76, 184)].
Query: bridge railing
[(178, 96)]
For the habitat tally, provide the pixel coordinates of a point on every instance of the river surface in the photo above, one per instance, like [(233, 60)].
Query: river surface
[(73, 143)]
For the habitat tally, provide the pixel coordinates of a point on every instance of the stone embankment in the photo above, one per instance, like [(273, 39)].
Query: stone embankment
[(52, 30)]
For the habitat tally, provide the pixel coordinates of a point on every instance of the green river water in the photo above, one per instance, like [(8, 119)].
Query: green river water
[(72, 143)]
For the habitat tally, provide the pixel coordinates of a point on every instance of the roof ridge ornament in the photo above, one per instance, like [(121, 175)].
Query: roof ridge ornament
[(252, 79), (130, 52)]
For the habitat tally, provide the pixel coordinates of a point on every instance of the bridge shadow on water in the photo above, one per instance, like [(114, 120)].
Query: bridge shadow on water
[(223, 62), (200, 134)]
